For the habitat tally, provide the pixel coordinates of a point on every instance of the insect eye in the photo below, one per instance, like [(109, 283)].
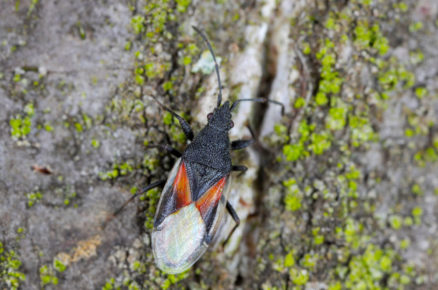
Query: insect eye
[(231, 124), (209, 115)]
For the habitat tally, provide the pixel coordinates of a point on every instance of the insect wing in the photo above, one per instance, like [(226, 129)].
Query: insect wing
[(178, 238), (183, 229), (179, 241), (175, 195), (212, 204)]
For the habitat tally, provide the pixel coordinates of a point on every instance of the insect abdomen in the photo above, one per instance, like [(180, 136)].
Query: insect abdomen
[(178, 242)]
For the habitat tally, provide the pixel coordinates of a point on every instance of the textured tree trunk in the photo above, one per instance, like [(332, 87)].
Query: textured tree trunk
[(340, 191)]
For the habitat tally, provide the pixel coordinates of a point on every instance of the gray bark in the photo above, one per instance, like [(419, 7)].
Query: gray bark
[(77, 114)]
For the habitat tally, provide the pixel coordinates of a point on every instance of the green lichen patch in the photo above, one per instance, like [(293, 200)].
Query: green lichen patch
[(48, 276), (332, 223), (21, 125), (10, 274), (118, 170), (33, 198)]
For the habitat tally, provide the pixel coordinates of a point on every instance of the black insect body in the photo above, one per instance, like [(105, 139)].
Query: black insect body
[(195, 195)]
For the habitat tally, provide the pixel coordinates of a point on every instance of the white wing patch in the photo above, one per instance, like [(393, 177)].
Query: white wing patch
[(178, 242)]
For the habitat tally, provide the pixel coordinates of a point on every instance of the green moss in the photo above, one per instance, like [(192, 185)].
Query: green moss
[(409, 133), (78, 127), (403, 7), (396, 222), (317, 238), (128, 45), (299, 103), (341, 116), (353, 233), (416, 189), (150, 69), (281, 131), (173, 279), (33, 198), (20, 230), (21, 125), (47, 276), (167, 86), (320, 143), (48, 128), (236, 16), (366, 2), (335, 286), (29, 109), (417, 213), (309, 261), (17, 78), (370, 37), (321, 99), (133, 286), (137, 24), (414, 27), (59, 266), (81, 30), (187, 60), (408, 221), (416, 57), (182, 5), (177, 135), (152, 196), (293, 196), (10, 268), (139, 79), (289, 260), (293, 151), (370, 268), (118, 170), (168, 118), (306, 48), (337, 117), (299, 276), (95, 143), (124, 168), (109, 285), (420, 92), (330, 23), (404, 244)]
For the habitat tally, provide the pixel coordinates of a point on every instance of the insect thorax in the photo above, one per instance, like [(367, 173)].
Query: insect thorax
[(210, 148)]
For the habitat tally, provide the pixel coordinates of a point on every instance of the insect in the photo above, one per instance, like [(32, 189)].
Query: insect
[(195, 196)]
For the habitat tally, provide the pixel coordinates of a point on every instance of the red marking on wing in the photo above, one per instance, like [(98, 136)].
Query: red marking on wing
[(210, 198), (181, 187)]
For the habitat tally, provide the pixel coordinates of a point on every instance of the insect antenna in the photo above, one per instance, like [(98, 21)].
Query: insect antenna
[(219, 97), (111, 216), (258, 100)]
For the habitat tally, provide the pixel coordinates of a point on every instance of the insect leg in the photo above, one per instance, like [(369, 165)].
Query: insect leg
[(258, 100), (236, 219), (184, 125), (240, 168), (241, 144), (119, 210), (168, 148)]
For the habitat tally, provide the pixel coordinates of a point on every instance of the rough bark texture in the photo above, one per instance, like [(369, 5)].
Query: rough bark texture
[(341, 191)]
